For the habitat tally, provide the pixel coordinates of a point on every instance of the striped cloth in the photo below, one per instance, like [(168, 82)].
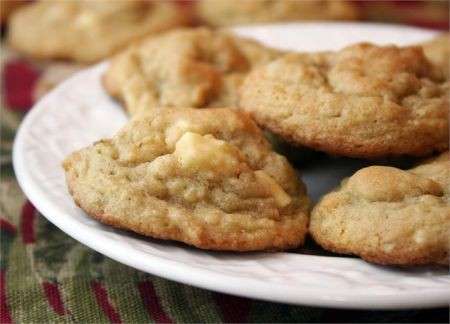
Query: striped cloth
[(47, 277)]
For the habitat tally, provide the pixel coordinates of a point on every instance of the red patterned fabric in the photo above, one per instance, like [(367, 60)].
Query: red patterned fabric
[(56, 279), (19, 79)]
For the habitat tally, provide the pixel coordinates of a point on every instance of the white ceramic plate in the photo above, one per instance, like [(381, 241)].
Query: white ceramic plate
[(79, 112)]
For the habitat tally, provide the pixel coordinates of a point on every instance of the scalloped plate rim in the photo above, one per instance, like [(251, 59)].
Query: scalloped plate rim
[(104, 240)]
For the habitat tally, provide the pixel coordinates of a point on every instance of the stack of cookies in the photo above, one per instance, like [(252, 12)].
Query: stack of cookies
[(62, 37), (193, 165)]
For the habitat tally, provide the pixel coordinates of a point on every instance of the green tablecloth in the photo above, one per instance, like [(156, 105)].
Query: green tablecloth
[(48, 277)]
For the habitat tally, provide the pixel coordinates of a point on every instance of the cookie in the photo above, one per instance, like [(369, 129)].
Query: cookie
[(184, 68), (364, 101), (87, 31), (203, 177), (228, 13), (438, 52), (389, 216), (7, 7)]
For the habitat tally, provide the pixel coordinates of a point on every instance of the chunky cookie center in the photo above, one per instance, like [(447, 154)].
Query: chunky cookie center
[(206, 153)]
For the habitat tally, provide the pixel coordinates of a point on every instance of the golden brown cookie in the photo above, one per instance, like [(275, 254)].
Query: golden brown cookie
[(204, 177), (438, 52), (87, 31), (389, 216), (184, 68), (364, 101), (228, 13), (7, 7)]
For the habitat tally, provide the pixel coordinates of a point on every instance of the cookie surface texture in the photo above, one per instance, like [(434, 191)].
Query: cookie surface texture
[(364, 101), (194, 67), (87, 31), (389, 216), (438, 52), (229, 13), (204, 177)]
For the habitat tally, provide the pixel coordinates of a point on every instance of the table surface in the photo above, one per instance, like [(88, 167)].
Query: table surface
[(46, 276)]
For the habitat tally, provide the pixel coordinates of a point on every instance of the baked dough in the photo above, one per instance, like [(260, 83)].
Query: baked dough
[(194, 67), (87, 31), (204, 177), (228, 13), (389, 216), (364, 101)]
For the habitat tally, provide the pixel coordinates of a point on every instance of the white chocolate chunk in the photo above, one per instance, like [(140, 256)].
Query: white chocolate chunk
[(86, 19), (196, 152), (177, 130), (282, 199), (419, 237)]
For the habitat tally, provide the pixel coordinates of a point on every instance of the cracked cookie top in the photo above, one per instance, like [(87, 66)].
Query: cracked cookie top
[(204, 177), (185, 68), (389, 216), (364, 101)]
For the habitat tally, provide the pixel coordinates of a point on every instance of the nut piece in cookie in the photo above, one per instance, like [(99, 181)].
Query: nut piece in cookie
[(438, 52), (87, 31), (364, 101), (184, 68), (204, 177), (389, 216), (228, 13)]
